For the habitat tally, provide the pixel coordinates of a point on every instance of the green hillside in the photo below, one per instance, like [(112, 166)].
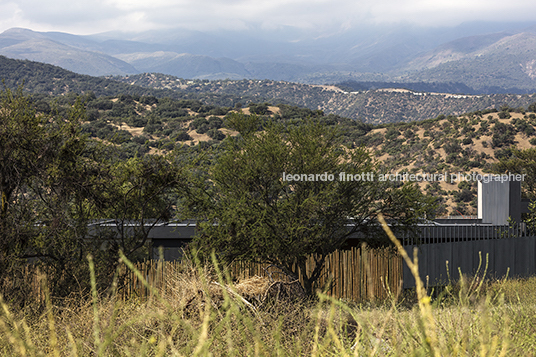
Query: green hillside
[(154, 113), (372, 106), (468, 143)]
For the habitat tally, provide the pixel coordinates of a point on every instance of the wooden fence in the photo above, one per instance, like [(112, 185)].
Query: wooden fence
[(356, 274), (362, 274)]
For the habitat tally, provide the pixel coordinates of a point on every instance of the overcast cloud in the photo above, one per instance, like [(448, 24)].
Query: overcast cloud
[(97, 16)]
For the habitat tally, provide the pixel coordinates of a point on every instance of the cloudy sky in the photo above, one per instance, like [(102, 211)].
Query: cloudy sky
[(89, 17)]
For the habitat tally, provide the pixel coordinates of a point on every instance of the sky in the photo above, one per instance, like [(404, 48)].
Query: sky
[(97, 16)]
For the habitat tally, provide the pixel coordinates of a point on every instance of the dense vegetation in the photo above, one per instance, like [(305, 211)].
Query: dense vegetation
[(252, 210), (370, 106), (465, 143), (55, 182), (131, 140), (70, 160)]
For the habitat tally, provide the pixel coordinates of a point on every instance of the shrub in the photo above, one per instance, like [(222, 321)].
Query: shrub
[(152, 128), (202, 129), (392, 133), (148, 100), (197, 122), (503, 135), (137, 121), (215, 134), (182, 136), (467, 141), (260, 109)]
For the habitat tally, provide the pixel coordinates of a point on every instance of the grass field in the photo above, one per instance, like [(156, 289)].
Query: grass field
[(201, 313), (197, 317)]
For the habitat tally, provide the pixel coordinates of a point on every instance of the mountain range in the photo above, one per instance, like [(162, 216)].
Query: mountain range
[(482, 58), (369, 103)]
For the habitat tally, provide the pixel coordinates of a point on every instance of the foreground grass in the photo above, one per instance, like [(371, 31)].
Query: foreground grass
[(193, 315)]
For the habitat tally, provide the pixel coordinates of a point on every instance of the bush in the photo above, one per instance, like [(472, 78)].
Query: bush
[(140, 139), (392, 133), (202, 129), (260, 109), (197, 122), (137, 121), (502, 154), (92, 114), (219, 111), (152, 128), (148, 100), (181, 136), (101, 104), (465, 195), (215, 134), (215, 122), (120, 137), (467, 141), (503, 135), (504, 115), (452, 148)]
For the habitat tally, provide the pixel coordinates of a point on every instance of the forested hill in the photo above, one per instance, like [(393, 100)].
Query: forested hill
[(468, 143), (41, 78), (371, 106), (37, 77)]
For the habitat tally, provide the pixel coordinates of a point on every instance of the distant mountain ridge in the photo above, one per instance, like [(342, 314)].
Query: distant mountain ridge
[(184, 64), (433, 87), (496, 62), (376, 106), (490, 64), (25, 44)]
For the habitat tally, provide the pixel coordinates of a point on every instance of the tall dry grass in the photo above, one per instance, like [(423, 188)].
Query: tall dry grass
[(192, 315)]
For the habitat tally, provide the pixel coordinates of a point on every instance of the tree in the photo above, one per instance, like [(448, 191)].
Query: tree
[(249, 209), (54, 182), (522, 162), (140, 195), (25, 147)]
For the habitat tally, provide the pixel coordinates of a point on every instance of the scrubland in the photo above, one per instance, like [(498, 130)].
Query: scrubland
[(201, 312)]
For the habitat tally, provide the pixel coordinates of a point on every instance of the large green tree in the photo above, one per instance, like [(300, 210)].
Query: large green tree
[(56, 184), (26, 145), (248, 210), (522, 162)]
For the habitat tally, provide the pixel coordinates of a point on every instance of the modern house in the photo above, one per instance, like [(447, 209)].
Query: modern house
[(492, 239)]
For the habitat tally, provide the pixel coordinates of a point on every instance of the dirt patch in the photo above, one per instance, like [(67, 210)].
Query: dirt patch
[(228, 132), (131, 129), (479, 147), (522, 142), (197, 137)]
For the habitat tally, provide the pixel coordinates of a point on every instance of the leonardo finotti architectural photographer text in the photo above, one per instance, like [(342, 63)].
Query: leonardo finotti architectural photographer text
[(405, 177)]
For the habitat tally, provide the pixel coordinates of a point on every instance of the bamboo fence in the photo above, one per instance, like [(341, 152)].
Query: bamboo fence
[(357, 274)]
